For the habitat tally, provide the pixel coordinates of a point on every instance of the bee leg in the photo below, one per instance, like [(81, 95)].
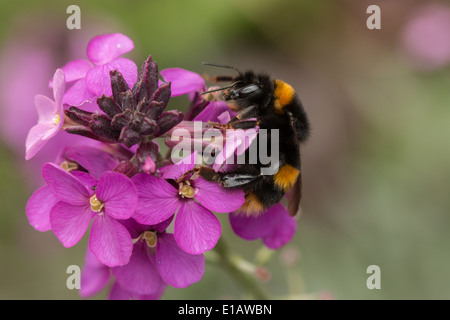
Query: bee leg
[(237, 124), (231, 180), (217, 125), (242, 124), (187, 175), (227, 180), (243, 120), (209, 174), (244, 113)]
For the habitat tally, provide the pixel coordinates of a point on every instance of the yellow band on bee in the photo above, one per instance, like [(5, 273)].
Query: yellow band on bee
[(283, 94), (286, 177)]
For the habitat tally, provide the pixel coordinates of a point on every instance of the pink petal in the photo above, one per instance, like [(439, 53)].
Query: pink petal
[(158, 199), (215, 198), (250, 228), (182, 81), (94, 276), (283, 228), (76, 69), (127, 68), (118, 194), (85, 178), (38, 208), (140, 274), (53, 131), (176, 267), (65, 186), (134, 228), (196, 229), (176, 170), (224, 117), (78, 94), (105, 48), (98, 79), (275, 226), (161, 227), (110, 241), (213, 111), (153, 296), (119, 293), (46, 108), (94, 160), (35, 138), (59, 86), (69, 222)]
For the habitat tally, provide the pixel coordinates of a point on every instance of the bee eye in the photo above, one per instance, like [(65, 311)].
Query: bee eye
[(252, 88)]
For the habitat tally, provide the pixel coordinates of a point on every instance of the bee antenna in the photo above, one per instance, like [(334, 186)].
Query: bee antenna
[(220, 89), (225, 66), (215, 90)]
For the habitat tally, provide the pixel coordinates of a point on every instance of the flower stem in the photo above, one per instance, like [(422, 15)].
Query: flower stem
[(232, 264)]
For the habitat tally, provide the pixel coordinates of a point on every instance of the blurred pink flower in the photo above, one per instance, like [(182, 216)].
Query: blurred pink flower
[(50, 115), (426, 39)]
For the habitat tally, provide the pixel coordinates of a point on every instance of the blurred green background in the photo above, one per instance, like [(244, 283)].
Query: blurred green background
[(376, 169)]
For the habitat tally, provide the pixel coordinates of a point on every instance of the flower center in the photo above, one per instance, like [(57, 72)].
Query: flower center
[(151, 238), (96, 205), (69, 165), (56, 119), (185, 190)]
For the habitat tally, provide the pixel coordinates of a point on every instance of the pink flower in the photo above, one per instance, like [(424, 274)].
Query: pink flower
[(157, 261), (196, 228), (51, 117), (114, 198), (275, 227), (426, 37), (41, 202), (92, 77), (95, 276)]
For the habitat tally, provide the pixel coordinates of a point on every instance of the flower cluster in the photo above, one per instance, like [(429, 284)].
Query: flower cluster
[(149, 222)]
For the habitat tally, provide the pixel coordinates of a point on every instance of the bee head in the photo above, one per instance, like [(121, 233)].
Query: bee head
[(250, 88), (246, 88)]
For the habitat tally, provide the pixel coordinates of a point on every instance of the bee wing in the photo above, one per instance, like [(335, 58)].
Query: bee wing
[(294, 196)]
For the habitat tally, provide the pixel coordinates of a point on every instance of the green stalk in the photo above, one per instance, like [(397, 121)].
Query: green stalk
[(232, 264)]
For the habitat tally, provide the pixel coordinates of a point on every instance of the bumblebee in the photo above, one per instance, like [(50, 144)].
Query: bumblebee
[(273, 104)]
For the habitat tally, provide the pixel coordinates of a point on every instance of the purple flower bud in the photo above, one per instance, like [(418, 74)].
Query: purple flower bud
[(130, 115)]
